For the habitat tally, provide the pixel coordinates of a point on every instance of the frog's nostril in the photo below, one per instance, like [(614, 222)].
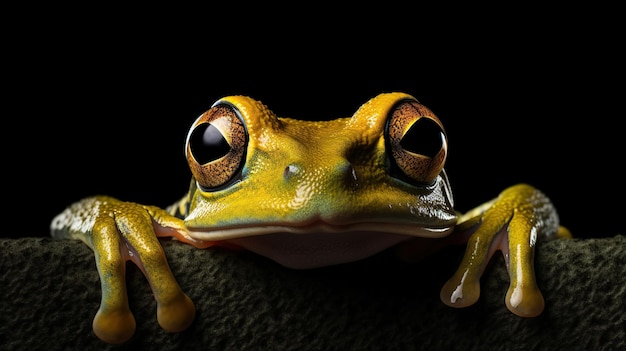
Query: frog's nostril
[(350, 176)]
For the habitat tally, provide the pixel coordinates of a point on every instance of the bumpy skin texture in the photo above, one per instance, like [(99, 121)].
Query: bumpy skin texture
[(369, 181)]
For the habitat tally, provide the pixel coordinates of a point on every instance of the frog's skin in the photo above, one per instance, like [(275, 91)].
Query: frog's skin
[(311, 194)]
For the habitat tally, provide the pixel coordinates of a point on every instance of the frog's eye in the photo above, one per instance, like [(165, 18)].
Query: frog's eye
[(216, 147), (416, 143)]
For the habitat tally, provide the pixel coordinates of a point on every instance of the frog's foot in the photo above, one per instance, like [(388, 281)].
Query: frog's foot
[(114, 322), (512, 224)]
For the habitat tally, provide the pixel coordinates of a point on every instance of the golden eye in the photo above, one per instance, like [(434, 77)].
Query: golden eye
[(416, 143), (216, 147)]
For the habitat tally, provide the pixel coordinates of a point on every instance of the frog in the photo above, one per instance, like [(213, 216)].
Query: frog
[(308, 194)]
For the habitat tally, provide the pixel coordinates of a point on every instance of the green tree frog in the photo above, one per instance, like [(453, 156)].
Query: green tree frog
[(309, 194)]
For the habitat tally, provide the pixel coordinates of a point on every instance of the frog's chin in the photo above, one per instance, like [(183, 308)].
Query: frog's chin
[(318, 250), (318, 245)]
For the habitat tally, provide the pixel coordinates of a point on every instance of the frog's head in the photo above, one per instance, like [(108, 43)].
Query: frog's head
[(316, 193)]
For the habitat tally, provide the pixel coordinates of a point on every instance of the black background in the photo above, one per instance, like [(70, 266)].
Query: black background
[(103, 106)]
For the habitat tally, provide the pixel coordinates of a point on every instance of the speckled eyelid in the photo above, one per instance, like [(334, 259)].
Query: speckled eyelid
[(416, 143), (216, 146)]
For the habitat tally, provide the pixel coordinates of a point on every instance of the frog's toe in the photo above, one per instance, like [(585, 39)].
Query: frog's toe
[(114, 327), (176, 315), (563, 233), (114, 323), (175, 310), (461, 290), (525, 301)]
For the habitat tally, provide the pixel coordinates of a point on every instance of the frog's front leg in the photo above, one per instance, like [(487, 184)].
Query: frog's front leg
[(117, 232), (512, 223)]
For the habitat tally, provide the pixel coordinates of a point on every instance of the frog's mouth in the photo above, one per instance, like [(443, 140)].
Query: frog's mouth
[(319, 244)]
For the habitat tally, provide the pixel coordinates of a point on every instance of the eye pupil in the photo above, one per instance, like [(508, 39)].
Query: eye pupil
[(424, 137), (208, 144)]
